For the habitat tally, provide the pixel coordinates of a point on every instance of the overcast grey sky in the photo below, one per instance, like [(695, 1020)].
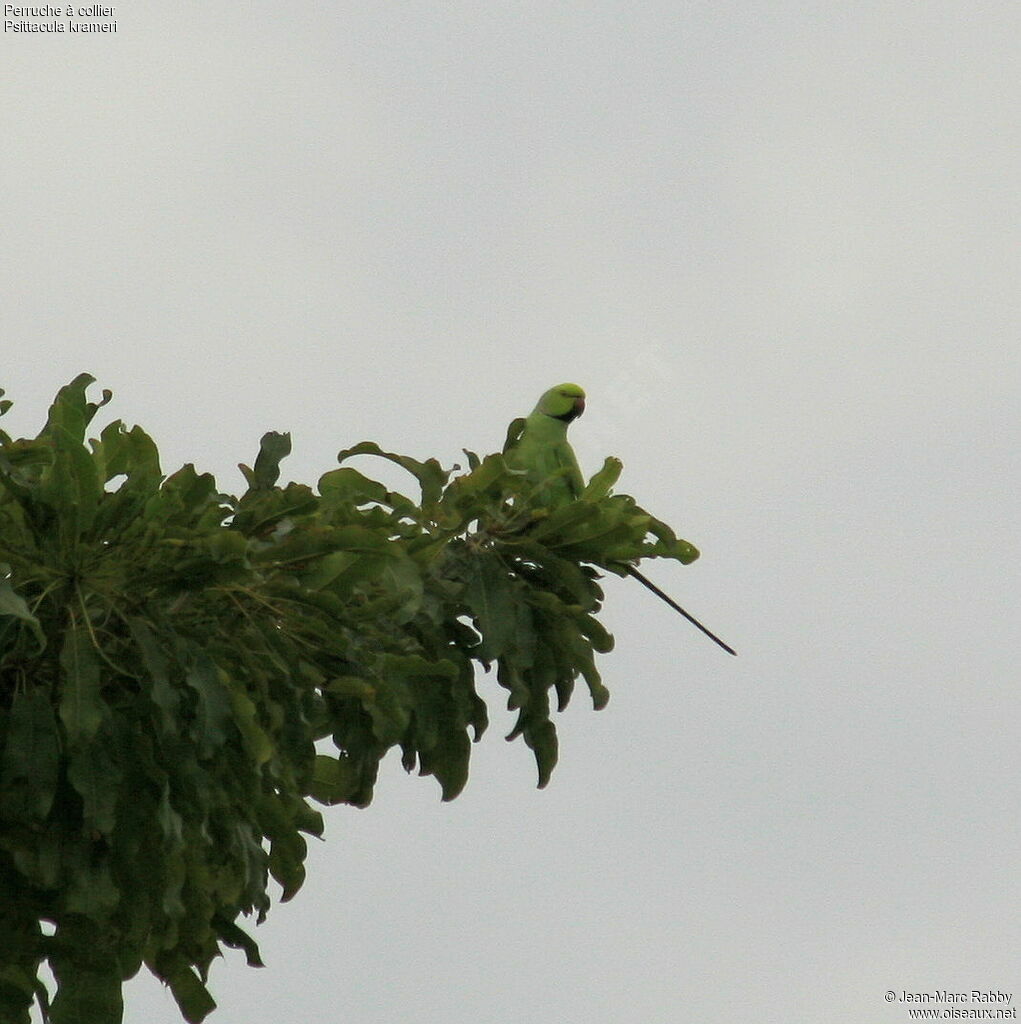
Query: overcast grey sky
[(779, 246)]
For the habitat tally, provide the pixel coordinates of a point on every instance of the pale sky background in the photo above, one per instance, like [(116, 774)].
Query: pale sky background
[(778, 244)]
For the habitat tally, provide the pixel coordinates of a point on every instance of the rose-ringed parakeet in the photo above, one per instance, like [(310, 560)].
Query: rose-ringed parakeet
[(540, 448)]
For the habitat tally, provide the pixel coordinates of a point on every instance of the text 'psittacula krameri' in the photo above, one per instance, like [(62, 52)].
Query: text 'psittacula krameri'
[(544, 454)]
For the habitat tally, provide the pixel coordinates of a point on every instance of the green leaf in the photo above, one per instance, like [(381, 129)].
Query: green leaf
[(389, 708), (90, 996), (71, 488), (156, 681), (15, 605), (602, 482), (214, 709), (273, 448), (592, 628), (351, 686), (30, 764), (447, 760), (346, 487), (258, 743), (584, 660), (429, 474), (95, 773), (542, 738), (182, 495), (304, 546), (329, 567), (493, 600), (129, 452), (17, 993), (334, 779), (231, 935), (92, 891), (23, 464), (81, 704), (514, 432), (71, 412), (470, 491), (571, 523), (287, 863), (87, 972), (227, 547), (669, 545), (191, 996)]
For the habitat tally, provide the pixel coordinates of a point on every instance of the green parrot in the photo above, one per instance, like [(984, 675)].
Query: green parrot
[(538, 446)]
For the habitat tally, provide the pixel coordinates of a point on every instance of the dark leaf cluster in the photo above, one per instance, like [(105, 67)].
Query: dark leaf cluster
[(185, 676)]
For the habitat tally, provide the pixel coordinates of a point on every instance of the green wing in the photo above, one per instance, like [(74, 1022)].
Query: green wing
[(542, 451)]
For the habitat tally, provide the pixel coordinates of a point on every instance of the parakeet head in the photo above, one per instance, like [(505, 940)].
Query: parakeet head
[(565, 402)]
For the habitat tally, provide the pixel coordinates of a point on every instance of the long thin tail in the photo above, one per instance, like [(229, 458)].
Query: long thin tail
[(632, 571)]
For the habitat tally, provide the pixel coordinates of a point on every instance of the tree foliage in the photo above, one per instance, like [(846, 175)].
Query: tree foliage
[(186, 675)]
